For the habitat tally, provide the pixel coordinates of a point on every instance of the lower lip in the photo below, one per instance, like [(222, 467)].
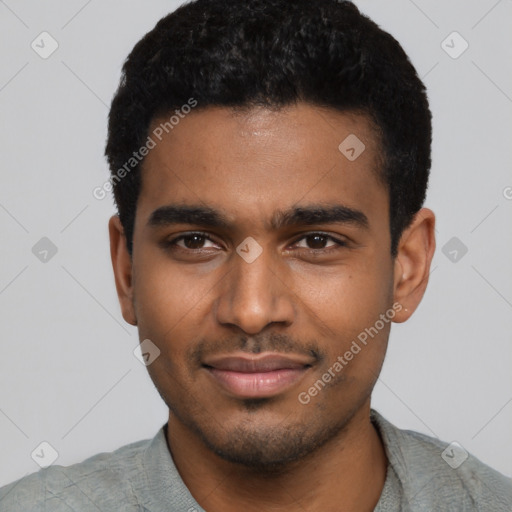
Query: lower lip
[(257, 385)]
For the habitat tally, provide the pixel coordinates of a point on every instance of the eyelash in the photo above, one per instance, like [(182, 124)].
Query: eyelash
[(171, 244)]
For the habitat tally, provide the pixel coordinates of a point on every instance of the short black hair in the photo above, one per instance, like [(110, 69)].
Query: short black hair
[(274, 53)]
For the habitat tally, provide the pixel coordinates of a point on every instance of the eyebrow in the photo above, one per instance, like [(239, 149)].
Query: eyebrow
[(300, 215)]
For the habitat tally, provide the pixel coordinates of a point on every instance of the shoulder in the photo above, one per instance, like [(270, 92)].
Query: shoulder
[(95, 483), (441, 474)]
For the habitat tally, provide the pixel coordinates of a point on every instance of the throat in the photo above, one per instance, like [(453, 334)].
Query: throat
[(349, 469)]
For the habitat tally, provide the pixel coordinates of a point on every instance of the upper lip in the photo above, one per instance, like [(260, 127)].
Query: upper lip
[(268, 362)]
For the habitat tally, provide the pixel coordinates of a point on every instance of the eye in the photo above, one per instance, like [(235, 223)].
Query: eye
[(318, 241), (190, 241)]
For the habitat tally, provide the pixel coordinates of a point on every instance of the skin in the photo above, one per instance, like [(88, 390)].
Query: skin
[(303, 295)]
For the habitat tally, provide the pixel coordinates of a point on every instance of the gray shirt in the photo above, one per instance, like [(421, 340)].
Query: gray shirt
[(424, 474)]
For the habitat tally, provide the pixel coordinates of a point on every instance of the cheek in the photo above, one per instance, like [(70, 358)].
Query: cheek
[(167, 297), (167, 307), (351, 295), (347, 306)]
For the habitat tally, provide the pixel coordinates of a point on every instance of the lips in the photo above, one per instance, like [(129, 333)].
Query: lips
[(265, 375)]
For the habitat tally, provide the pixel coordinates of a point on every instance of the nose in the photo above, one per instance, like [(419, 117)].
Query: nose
[(254, 295)]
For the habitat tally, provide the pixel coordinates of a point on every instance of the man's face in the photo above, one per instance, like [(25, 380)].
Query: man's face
[(253, 311)]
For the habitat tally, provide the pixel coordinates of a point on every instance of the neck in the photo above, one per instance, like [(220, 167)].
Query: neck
[(350, 469)]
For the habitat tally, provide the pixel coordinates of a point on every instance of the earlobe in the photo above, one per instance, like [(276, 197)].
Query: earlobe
[(412, 264), (122, 266)]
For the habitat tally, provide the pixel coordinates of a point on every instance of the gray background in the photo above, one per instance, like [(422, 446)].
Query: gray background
[(68, 374)]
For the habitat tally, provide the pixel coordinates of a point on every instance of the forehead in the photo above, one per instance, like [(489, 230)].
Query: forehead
[(251, 163)]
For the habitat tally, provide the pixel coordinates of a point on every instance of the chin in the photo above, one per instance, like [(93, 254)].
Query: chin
[(268, 449)]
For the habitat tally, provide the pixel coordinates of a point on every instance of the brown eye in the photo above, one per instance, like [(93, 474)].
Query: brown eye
[(318, 241), (190, 241), (194, 241)]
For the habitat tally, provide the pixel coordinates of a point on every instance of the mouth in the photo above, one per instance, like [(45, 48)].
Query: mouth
[(261, 376)]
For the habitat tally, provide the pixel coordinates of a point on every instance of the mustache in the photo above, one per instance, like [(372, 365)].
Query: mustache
[(271, 342)]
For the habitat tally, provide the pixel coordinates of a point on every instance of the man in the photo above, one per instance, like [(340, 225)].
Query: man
[(269, 161)]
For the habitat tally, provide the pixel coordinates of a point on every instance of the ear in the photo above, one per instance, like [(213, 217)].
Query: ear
[(412, 263), (122, 264)]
